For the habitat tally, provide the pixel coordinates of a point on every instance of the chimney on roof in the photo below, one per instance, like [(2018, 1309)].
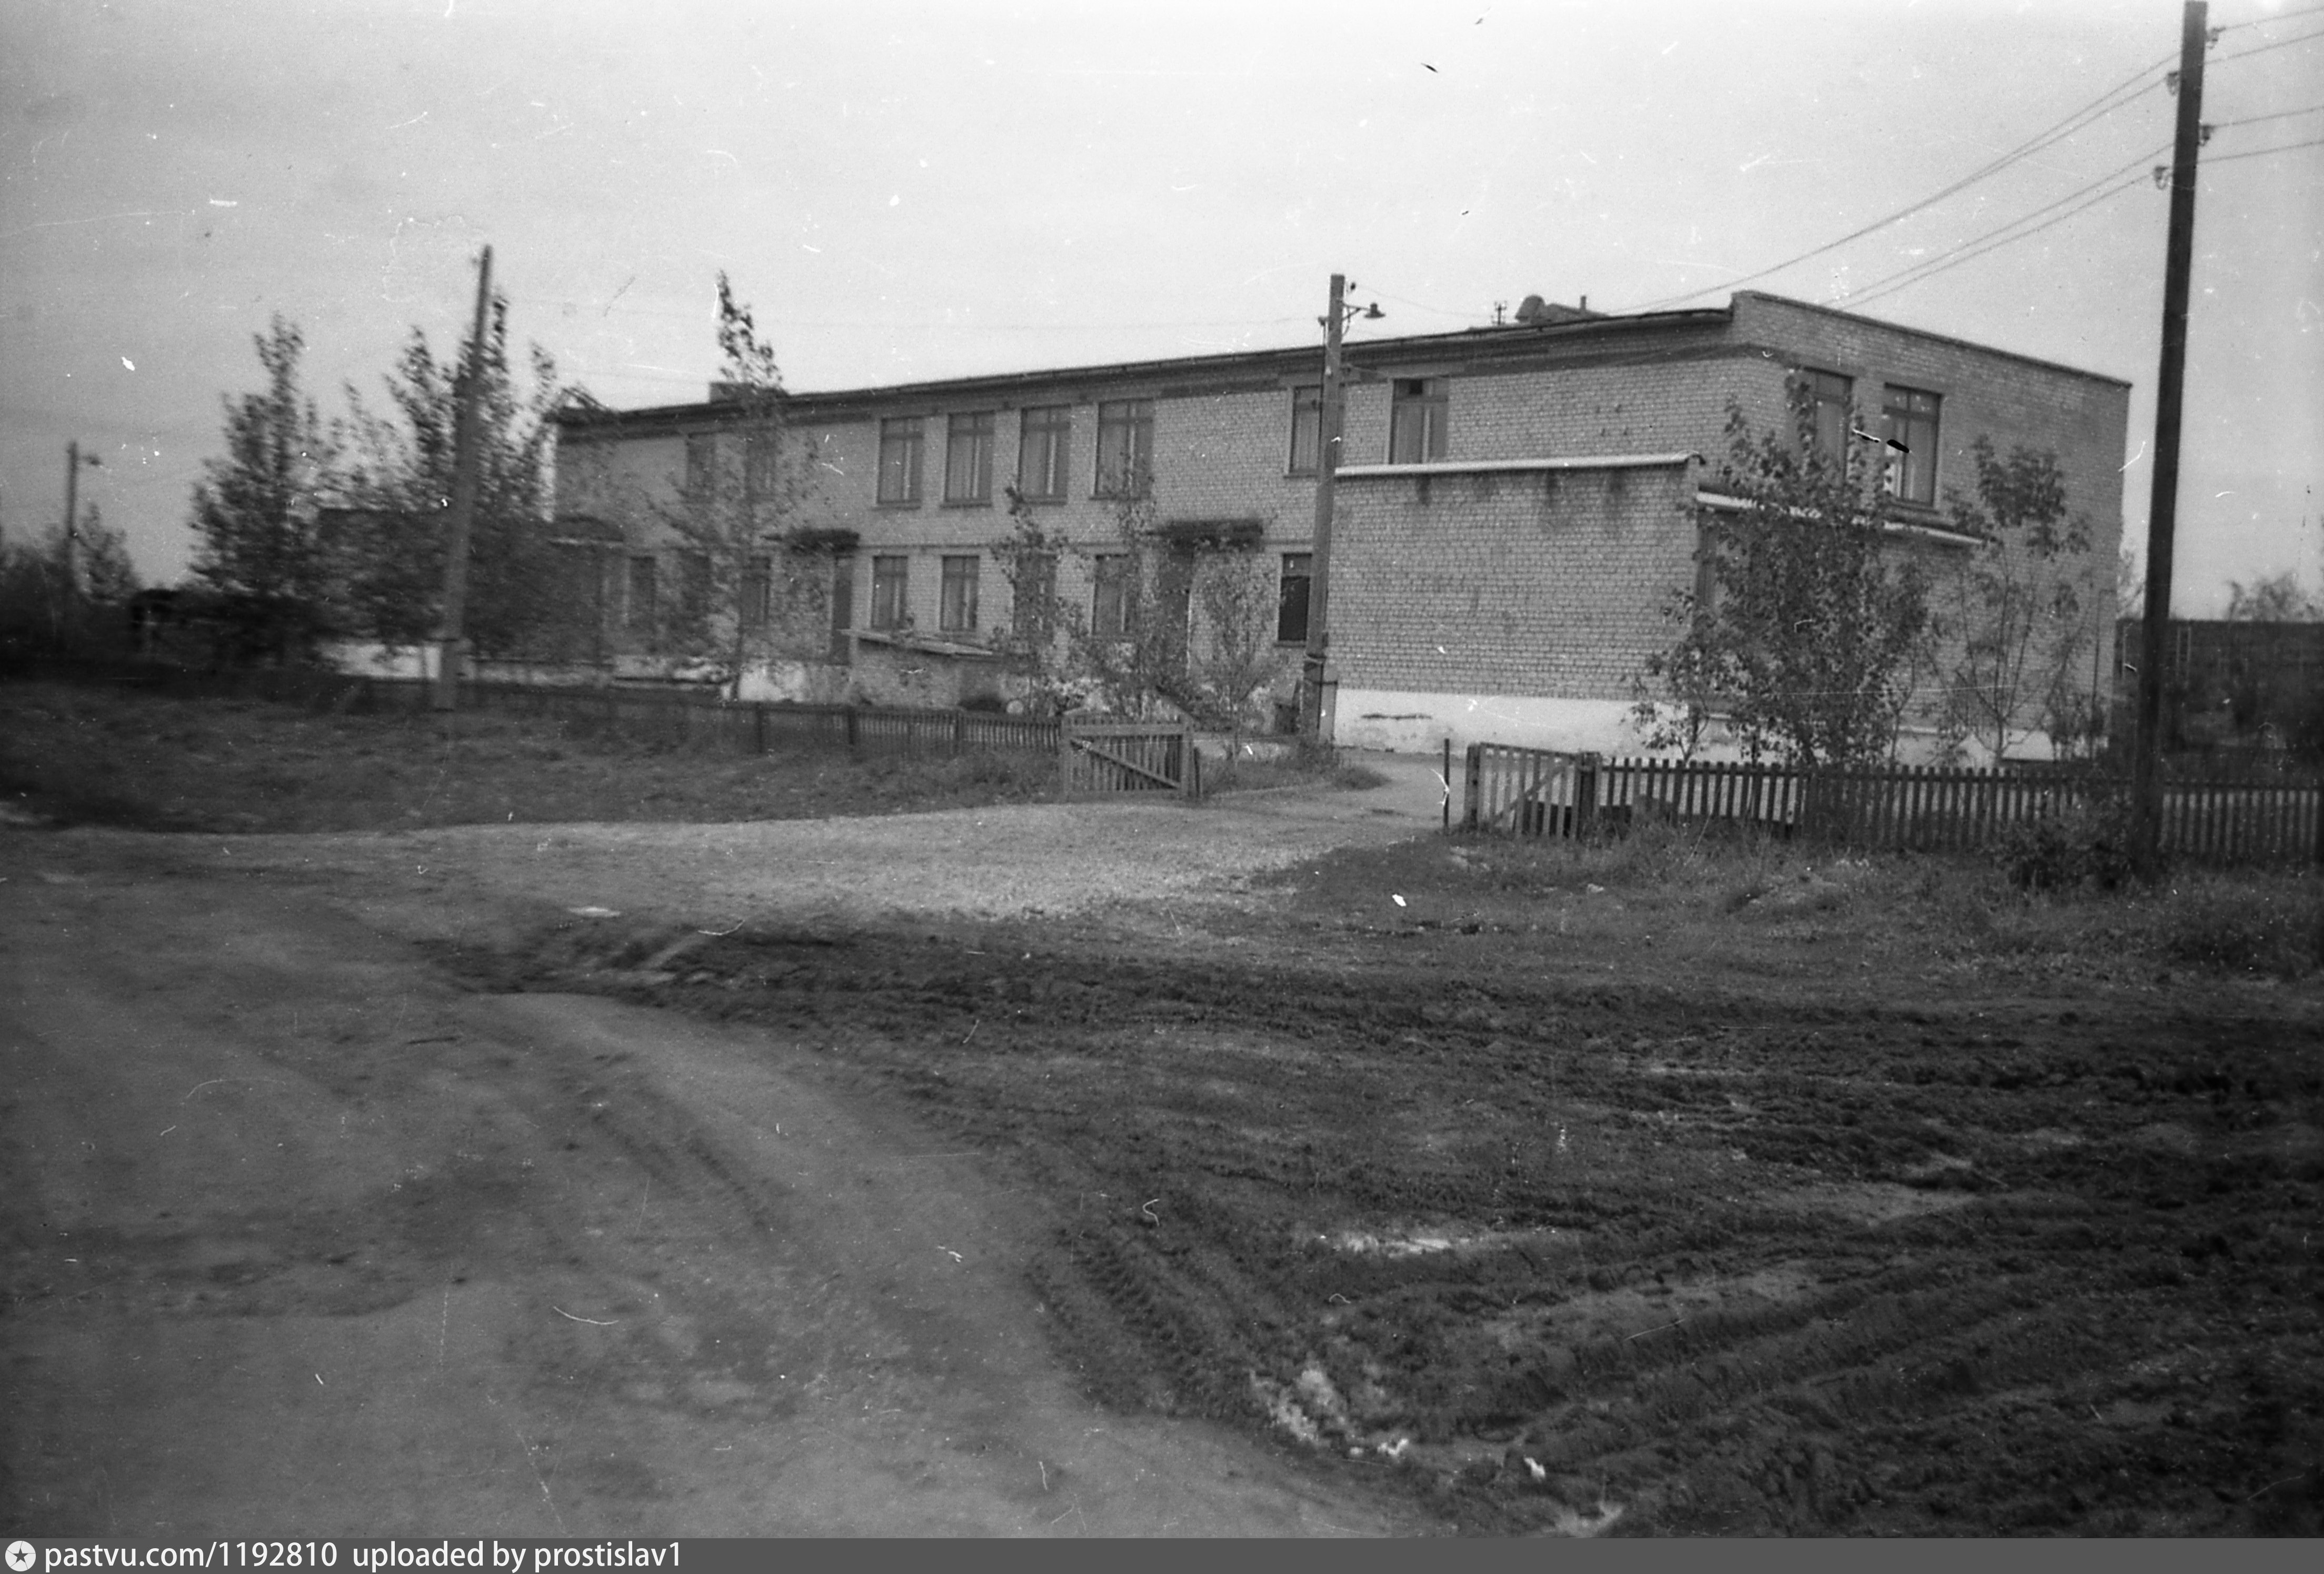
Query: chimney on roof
[(1533, 311)]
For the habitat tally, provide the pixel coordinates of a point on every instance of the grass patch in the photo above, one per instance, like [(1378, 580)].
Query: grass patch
[(1305, 763), (141, 761)]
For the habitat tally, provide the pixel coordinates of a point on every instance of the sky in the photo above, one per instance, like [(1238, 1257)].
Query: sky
[(914, 191)]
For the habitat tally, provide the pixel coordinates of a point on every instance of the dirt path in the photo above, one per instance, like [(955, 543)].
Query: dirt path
[(300, 1240)]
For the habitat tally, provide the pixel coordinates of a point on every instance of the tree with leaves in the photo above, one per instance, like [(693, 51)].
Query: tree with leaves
[(59, 599), (753, 582), (2273, 598), (256, 508), (2012, 624), (1804, 625), (389, 558)]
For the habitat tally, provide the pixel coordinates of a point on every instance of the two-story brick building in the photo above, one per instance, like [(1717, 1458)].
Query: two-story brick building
[(1515, 503)]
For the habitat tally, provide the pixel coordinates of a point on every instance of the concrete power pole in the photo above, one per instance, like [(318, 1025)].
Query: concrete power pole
[(1315, 719), (2162, 519), (464, 502)]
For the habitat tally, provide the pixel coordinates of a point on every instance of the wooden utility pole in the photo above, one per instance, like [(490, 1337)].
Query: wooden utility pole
[(2162, 518), (74, 460), (1314, 719), (464, 502)]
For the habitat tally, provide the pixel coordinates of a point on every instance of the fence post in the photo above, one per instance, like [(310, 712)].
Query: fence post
[(959, 731), (854, 730), (1585, 795), (1445, 777), (1475, 787)]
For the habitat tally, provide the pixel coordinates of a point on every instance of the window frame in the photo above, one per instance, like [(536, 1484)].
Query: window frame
[(761, 464), (1045, 430), (755, 601), (1912, 484), (1290, 624), (1307, 421), (1131, 420), (1829, 390), (956, 610), (701, 475), (1109, 595), (642, 597), (891, 592), (903, 441), (1431, 399), (976, 427)]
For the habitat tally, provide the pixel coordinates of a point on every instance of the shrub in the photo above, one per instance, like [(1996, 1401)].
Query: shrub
[(2082, 843)]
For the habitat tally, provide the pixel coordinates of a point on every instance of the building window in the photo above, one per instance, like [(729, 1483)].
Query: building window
[(1909, 417), (1042, 447), (1291, 600), (1109, 603), (1125, 447), (1416, 420), (642, 613), (888, 603), (760, 451), (757, 592), (968, 459), (956, 611), (900, 460), (1830, 398), (701, 465), (1032, 613), (1307, 430)]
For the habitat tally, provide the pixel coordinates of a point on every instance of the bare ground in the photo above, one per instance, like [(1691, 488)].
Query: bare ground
[(1494, 1192)]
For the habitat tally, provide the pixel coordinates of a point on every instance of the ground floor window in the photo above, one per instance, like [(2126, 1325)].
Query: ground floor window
[(888, 585), (1110, 601), (1291, 601), (643, 611), (956, 611)]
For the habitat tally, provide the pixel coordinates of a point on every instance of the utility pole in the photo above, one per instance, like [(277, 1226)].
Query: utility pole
[(464, 502), (74, 460), (1315, 719), (2162, 518)]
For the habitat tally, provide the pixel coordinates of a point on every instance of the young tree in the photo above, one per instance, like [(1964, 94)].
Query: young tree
[(1132, 651), (2012, 623), (1035, 647), (400, 479), (255, 508), (1804, 627), (1232, 650), (753, 582)]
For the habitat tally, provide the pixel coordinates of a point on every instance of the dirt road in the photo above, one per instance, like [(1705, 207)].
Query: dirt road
[(301, 1239)]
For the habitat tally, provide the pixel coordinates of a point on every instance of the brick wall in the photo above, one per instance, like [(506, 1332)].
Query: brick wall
[(1544, 582)]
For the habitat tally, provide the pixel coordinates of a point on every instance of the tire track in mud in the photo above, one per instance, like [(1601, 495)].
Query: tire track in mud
[(1539, 1253)]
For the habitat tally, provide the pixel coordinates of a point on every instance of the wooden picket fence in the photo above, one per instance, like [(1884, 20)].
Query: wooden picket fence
[(1533, 792)]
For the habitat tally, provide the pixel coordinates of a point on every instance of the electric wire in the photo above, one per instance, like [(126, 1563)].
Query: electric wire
[(2002, 235), (2260, 48), (2262, 153), (2104, 104)]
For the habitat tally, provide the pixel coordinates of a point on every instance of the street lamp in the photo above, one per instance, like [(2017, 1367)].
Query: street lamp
[(1315, 718)]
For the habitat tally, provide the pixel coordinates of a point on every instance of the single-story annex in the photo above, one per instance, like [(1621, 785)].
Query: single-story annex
[(1514, 503)]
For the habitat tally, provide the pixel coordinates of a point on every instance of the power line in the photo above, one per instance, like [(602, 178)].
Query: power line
[(2094, 109), (1971, 250), (2255, 119), (2260, 48), (2262, 153)]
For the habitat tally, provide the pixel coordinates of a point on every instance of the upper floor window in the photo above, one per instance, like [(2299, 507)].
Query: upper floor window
[(956, 611), (889, 608), (1307, 430), (760, 450), (701, 464), (968, 459), (1416, 420), (900, 460), (1044, 440), (1291, 600), (1909, 419), (1125, 447), (1830, 398), (642, 612)]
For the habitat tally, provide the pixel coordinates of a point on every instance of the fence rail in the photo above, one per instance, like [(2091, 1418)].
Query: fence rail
[(1533, 792), (1128, 757)]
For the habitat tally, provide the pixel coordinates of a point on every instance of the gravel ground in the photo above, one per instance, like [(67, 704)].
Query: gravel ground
[(1013, 861)]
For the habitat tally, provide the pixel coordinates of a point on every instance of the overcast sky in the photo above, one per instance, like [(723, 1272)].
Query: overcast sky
[(908, 191)]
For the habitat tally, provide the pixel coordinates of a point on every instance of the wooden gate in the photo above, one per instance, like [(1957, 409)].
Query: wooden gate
[(1128, 757)]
